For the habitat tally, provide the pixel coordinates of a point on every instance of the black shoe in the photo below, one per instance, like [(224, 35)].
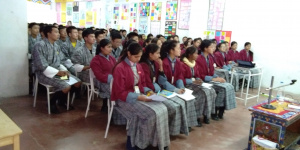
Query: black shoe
[(190, 129), (104, 108), (166, 148), (54, 110), (206, 120), (221, 112), (214, 117), (128, 144), (199, 123)]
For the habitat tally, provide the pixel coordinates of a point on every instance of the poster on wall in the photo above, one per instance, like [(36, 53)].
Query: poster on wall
[(209, 34), (116, 13), (75, 6), (63, 17), (144, 9), (155, 27), (133, 14), (215, 15), (171, 10), (75, 17), (125, 12), (69, 10), (89, 17), (184, 14), (143, 25), (89, 5), (222, 36), (156, 11), (170, 28)]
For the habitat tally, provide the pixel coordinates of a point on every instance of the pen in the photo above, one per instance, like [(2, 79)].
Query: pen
[(158, 92)]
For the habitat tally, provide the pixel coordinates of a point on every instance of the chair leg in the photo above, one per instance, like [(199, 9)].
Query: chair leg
[(35, 91), (48, 100), (108, 121), (33, 85), (88, 104), (68, 100), (73, 97)]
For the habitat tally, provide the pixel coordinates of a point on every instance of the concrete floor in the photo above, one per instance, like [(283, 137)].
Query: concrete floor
[(71, 131)]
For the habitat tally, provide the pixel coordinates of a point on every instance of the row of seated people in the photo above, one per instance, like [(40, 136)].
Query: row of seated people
[(136, 73)]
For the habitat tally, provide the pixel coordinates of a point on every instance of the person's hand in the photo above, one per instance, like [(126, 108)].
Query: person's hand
[(198, 82), (62, 73), (160, 63), (86, 68), (218, 68), (144, 98), (230, 62), (181, 91), (221, 80)]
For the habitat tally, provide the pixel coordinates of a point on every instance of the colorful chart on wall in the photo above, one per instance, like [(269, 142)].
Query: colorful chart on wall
[(133, 14), (143, 25), (155, 28), (63, 17), (116, 12), (170, 28), (125, 12), (144, 9), (209, 34), (45, 2), (222, 36), (89, 17), (89, 5), (171, 10), (216, 15), (75, 17), (184, 14), (69, 9), (156, 11)]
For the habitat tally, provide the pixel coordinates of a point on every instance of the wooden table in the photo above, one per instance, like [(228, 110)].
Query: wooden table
[(280, 126), (9, 132)]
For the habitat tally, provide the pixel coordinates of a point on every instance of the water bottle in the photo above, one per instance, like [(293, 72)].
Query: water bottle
[(280, 92)]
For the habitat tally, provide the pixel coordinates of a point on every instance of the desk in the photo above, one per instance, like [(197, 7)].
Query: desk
[(247, 72), (280, 126), (9, 132)]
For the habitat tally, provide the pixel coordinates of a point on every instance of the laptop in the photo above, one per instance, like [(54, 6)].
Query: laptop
[(245, 64)]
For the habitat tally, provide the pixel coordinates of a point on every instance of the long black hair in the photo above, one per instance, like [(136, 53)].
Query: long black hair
[(219, 45), (250, 52), (167, 47), (205, 44), (103, 43), (146, 41), (151, 48), (189, 51), (134, 48)]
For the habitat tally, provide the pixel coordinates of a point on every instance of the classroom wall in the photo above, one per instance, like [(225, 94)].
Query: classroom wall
[(14, 45), (41, 13), (272, 26)]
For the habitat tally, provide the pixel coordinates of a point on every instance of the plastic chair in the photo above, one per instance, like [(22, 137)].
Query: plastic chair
[(92, 91), (48, 87), (87, 85), (110, 111)]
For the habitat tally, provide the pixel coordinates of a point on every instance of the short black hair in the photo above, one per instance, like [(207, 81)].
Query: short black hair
[(70, 28), (87, 32), (79, 29), (159, 36), (48, 29), (149, 35), (42, 29), (32, 24), (115, 35), (131, 35), (97, 33)]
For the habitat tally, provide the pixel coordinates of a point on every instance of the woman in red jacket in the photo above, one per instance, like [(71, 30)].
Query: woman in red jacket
[(147, 120), (174, 78), (235, 55), (225, 92), (153, 69), (205, 97), (246, 54), (102, 65)]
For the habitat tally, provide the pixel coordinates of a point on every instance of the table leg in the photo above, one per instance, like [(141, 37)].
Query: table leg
[(282, 135), (16, 142), (251, 132)]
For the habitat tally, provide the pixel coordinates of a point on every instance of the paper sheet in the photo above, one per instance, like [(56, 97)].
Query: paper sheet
[(71, 81), (157, 98), (187, 95)]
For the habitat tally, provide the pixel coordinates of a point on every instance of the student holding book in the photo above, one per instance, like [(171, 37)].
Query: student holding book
[(153, 69), (48, 62), (225, 92), (173, 80), (148, 123), (102, 65), (205, 97), (246, 54)]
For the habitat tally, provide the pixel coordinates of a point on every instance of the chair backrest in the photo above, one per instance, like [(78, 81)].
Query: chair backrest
[(92, 76)]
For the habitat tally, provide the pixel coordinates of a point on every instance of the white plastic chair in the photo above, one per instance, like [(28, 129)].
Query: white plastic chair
[(110, 111), (48, 87), (87, 85), (91, 91)]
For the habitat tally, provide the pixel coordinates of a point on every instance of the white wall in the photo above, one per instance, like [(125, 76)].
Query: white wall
[(14, 47), (272, 26), (41, 13)]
